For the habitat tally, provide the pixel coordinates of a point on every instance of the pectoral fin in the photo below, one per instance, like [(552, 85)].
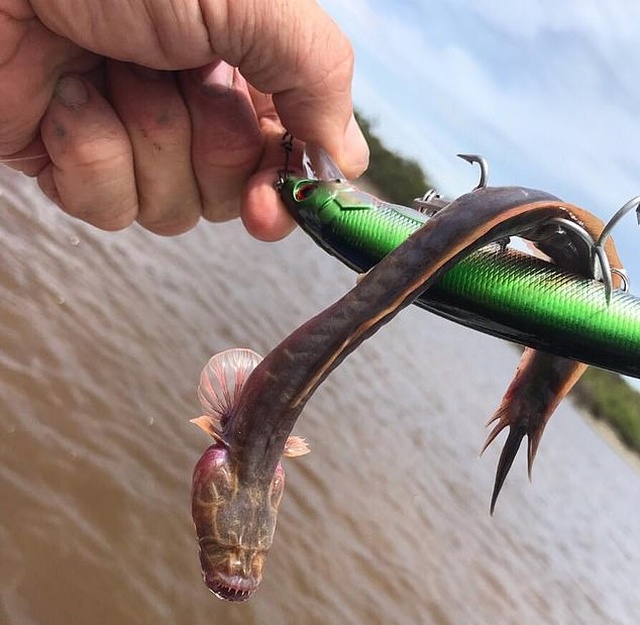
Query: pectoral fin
[(223, 379), (209, 425), (296, 446)]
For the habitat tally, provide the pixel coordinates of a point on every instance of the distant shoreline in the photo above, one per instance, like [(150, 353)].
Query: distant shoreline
[(605, 431)]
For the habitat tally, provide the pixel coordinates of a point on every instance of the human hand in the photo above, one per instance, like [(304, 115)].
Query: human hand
[(159, 112)]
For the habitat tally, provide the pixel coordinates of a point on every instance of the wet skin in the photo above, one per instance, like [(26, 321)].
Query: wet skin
[(237, 483)]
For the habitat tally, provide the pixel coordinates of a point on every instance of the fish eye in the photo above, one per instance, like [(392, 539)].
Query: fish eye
[(304, 191)]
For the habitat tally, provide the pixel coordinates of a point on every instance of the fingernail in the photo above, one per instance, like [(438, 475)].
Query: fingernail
[(216, 75), (354, 156), (72, 92)]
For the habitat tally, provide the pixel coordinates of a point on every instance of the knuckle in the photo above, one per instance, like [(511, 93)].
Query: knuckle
[(169, 215), (103, 207)]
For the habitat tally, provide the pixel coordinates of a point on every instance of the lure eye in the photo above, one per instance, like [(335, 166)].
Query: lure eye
[(304, 191)]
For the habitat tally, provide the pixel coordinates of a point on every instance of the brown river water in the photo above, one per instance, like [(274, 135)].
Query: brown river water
[(102, 338)]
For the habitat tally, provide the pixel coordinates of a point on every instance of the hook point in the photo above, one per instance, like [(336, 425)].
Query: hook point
[(470, 158), (620, 213), (484, 167)]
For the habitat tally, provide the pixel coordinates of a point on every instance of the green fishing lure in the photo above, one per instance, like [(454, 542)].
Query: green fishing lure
[(498, 291)]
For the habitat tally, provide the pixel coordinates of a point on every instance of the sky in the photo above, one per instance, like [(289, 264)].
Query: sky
[(547, 91)]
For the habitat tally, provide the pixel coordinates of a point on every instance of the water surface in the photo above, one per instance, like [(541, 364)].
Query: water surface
[(102, 338)]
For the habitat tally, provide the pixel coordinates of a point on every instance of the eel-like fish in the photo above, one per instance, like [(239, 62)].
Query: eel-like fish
[(238, 482)]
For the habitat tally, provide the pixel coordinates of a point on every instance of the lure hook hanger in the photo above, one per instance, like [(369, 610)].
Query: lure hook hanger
[(287, 145), (482, 163)]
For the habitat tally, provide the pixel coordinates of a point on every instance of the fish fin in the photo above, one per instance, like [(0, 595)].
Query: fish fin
[(209, 425), (541, 382), (222, 380), (502, 423), (509, 452), (532, 449), (296, 446), (517, 431)]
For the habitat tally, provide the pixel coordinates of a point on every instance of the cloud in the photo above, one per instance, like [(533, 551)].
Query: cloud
[(607, 25), (547, 91)]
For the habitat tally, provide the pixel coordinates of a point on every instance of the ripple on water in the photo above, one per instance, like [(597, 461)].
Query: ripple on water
[(385, 522)]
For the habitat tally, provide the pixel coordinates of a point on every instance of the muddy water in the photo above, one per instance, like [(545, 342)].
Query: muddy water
[(102, 337)]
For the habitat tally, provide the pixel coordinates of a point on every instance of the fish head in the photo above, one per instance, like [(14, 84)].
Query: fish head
[(235, 523)]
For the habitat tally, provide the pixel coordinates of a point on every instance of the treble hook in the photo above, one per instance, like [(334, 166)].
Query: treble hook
[(431, 202), (484, 167), (599, 253), (606, 232), (620, 213)]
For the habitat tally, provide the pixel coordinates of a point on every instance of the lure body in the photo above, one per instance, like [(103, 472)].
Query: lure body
[(502, 292)]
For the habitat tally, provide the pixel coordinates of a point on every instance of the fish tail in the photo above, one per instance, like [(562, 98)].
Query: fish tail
[(541, 382)]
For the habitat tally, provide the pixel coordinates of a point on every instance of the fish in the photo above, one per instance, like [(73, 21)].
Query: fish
[(500, 291), (238, 482), (237, 573), (359, 228), (543, 380)]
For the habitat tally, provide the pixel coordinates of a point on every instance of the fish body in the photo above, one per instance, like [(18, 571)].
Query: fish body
[(502, 292), (252, 405)]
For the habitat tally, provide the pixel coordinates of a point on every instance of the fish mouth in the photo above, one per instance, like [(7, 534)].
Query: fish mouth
[(231, 587)]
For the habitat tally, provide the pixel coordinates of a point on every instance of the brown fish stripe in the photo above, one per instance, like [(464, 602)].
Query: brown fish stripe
[(279, 387)]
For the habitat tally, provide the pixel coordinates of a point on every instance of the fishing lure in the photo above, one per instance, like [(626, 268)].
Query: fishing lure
[(498, 291), (362, 229), (237, 484)]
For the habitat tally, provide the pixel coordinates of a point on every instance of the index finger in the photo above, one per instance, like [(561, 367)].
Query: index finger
[(297, 53)]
